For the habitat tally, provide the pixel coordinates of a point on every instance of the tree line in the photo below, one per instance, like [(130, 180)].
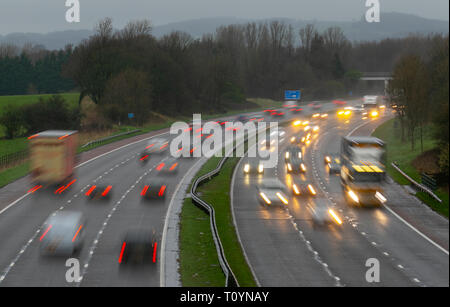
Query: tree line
[(419, 91), (33, 70)]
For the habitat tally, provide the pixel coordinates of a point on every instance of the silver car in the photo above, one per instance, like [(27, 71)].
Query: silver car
[(63, 233)]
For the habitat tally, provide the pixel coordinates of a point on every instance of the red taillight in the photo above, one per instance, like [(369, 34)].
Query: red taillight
[(32, 190), (160, 166), (151, 145), (144, 190), (122, 251), (33, 136), (144, 157), (155, 246), (67, 186), (45, 233), (78, 231), (173, 166), (161, 191), (106, 191), (90, 190)]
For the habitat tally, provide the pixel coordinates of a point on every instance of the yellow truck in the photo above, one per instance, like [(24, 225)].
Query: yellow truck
[(52, 156)]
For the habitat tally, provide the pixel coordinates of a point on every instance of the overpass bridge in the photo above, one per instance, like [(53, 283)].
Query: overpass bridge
[(378, 76)]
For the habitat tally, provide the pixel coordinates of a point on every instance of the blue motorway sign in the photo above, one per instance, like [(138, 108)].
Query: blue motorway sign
[(292, 95), (130, 115)]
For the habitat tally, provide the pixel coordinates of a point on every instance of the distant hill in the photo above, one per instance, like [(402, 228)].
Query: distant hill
[(392, 25)]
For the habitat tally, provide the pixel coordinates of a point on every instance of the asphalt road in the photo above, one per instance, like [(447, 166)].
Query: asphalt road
[(107, 221), (285, 248)]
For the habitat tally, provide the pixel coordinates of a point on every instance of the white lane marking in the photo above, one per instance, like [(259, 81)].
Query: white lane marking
[(416, 230), (88, 161)]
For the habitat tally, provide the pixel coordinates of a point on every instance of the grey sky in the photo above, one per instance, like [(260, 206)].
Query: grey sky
[(49, 15)]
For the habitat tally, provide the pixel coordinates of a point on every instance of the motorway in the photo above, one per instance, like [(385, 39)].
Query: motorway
[(21, 221), (284, 248), (281, 245)]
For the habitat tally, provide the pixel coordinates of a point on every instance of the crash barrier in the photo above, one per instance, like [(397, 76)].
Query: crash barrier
[(416, 184), (230, 278), (99, 141), (13, 158)]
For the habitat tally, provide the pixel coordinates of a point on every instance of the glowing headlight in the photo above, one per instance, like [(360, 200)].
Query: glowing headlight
[(324, 115), (316, 128), (328, 159), (316, 115), (374, 114), (347, 113), (303, 167), (380, 197), (382, 107), (353, 196), (340, 113), (307, 128), (305, 123), (293, 139), (297, 123), (296, 189), (287, 155), (311, 189), (335, 217), (260, 168), (281, 197), (263, 196), (289, 166), (246, 168)]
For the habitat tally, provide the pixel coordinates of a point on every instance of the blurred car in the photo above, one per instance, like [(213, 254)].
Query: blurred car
[(339, 102), (277, 113), (272, 192), (296, 139), (334, 164), (315, 105), (289, 104), (154, 190), (302, 188), (344, 113), (99, 191), (256, 118), (322, 213), (169, 166), (185, 152), (277, 134), (296, 165), (242, 118), (139, 247), (296, 110), (63, 233), (253, 166), (292, 151), (154, 146)]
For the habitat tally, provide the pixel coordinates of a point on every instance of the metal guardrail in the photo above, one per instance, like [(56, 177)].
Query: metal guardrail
[(230, 278), (99, 141), (416, 184), (13, 158)]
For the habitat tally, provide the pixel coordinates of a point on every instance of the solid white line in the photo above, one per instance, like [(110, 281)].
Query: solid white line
[(417, 231), (95, 158), (162, 274)]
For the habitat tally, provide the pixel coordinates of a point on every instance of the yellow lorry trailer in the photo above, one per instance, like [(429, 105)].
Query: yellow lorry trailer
[(52, 156)]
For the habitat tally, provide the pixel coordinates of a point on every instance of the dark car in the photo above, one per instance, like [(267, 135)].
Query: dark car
[(291, 152), (99, 191), (296, 165), (139, 247), (154, 190)]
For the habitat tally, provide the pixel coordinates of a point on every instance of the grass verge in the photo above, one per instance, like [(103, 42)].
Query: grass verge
[(216, 193), (403, 155)]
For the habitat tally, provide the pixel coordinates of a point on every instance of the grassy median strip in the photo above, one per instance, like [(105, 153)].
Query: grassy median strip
[(401, 153), (196, 267), (217, 193), (199, 265)]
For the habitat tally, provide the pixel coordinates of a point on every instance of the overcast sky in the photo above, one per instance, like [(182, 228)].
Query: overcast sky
[(49, 15)]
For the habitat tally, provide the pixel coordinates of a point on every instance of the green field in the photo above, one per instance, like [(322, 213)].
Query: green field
[(19, 100), (403, 155)]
